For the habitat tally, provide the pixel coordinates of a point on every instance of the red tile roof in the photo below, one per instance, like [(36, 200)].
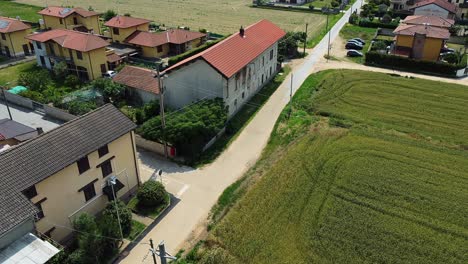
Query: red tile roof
[(430, 32), (125, 22), (138, 78), (235, 52), (174, 36), (429, 20), (62, 12), (113, 57), (71, 39), (8, 25), (444, 4)]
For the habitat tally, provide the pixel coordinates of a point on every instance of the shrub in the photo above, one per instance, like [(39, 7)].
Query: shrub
[(368, 23), (127, 15), (60, 70), (33, 95), (125, 215), (335, 4), (379, 45), (311, 6), (354, 18), (386, 19), (35, 80), (80, 108), (109, 14), (112, 91), (76, 257), (203, 30), (151, 194), (72, 81)]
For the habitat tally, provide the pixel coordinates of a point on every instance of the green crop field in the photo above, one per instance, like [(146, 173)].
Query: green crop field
[(220, 16), (369, 168), (11, 9)]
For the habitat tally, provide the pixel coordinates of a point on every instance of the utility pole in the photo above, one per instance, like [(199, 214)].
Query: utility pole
[(328, 47), (161, 109), (6, 102), (152, 251), (113, 181), (305, 38), (290, 95)]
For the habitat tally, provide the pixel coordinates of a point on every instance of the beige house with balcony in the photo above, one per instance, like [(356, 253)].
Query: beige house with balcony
[(76, 18), (60, 174)]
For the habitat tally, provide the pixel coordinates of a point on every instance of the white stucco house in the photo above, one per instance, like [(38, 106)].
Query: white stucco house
[(438, 8), (234, 69)]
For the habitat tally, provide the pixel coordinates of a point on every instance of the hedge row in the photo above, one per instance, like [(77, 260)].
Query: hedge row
[(183, 56), (298, 9), (369, 24), (402, 63)]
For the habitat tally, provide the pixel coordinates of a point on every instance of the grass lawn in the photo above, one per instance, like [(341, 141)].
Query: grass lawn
[(350, 31), (10, 74), (137, 228), (320, 3), (369, 168), (151, 212), (314, 37), (241, 119), (27, 12), (220, 16)]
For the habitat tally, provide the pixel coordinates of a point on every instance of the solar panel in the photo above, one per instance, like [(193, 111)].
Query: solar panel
[(4, 23), (65, 11)]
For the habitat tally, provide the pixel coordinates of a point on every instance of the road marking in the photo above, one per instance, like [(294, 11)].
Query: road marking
[(182, 191)]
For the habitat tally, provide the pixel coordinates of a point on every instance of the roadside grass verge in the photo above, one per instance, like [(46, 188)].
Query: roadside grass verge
[(12, 9), (318, 36), (367, 168), (10, 74), (137, 228), (242, 119)]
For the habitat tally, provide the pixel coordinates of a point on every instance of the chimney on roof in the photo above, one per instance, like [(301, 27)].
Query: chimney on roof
[(241, 31), (39, 130)]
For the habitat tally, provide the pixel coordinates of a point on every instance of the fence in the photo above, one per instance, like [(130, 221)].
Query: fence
[(49, 111)]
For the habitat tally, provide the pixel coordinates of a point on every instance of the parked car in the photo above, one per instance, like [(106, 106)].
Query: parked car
[(447, 50), (355, 42), (359, 40), (353, 46), (354, 53), (109, 74)]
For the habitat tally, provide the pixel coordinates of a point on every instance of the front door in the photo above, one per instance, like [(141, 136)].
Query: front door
[(75, 21), (26, 49)]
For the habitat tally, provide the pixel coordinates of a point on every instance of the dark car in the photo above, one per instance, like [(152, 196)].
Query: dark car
[(353, 46), (354, 53), (358, 40)]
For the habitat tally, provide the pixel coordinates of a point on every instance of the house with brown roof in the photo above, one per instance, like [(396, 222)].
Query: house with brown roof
[(12, 41), (421, 42), (78, 167), (76, 18), (438, 8), (85, 54), (433, 21), (170, 42), (121, 27), (142, 86), (234, 69)]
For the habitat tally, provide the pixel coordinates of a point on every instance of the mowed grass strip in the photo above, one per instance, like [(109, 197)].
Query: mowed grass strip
[(378, 191), (24, 11), (219, 16)]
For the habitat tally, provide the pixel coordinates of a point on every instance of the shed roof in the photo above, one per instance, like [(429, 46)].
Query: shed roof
[(235, 52), (174, 36), (8, 25), (138, 78), (126, 22), (71, 39), (12, 129), (35, 160)]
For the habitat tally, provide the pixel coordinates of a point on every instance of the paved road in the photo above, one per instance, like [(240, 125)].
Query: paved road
[(198, 190)]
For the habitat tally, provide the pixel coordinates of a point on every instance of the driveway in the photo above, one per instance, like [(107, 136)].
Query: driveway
[(203, 186)]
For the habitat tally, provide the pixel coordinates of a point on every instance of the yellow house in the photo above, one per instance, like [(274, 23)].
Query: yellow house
[(77, 18), (121, 27), (420, 42), (84, 53), (67, 171), (171, 42), (12, 41)]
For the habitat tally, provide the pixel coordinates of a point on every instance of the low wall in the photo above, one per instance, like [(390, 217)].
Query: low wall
[(155, 147), (19, 100), (58, 113)]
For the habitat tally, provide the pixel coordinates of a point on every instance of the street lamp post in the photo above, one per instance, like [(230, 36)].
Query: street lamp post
[(113, 181), (6, 101)]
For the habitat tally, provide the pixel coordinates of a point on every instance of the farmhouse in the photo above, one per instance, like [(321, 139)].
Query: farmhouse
[(420, 41), (438, 8), (142, 86), (77, 18), (171, 42), (50, 180), (234, 69), (121, 27), (84, 53), (12, 42)]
